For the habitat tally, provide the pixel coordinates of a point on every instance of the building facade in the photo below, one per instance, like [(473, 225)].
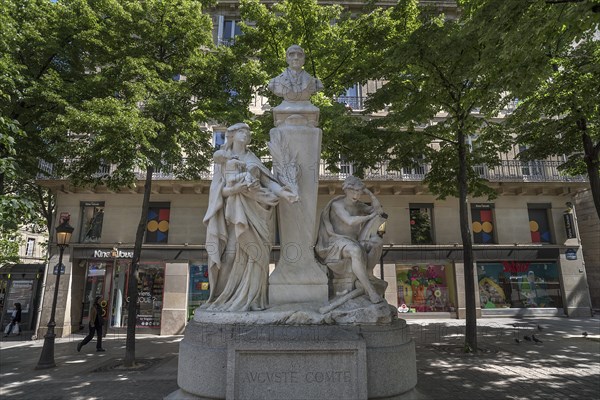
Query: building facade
[(528, 254), (529, 258)]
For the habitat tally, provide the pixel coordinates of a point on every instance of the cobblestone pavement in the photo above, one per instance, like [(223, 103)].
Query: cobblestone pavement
[(564, 365)]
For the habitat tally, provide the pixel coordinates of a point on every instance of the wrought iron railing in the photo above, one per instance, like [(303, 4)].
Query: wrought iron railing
[(507, 171)]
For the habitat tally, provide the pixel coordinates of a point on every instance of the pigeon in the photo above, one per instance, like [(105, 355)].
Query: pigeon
[(539, 328), (536, 339), (584, 334), (527, 338), (517, 340)]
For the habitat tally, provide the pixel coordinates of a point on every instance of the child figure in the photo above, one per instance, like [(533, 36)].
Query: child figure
[(236, 171)]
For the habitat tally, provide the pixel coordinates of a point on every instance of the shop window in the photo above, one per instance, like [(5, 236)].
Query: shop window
[(426, 287), (421, 226), (157, 227), (92, 217), (519, 284), (30, 247), (151, 283), (539, 223), (95, 285), (482, 216), (199, 287)]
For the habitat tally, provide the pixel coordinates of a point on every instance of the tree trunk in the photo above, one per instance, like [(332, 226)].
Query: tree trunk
[(465, 233), (592, 163), (132, 286)]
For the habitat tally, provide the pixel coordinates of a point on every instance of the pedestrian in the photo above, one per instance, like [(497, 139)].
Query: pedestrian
[(14, 322), (96, 323)]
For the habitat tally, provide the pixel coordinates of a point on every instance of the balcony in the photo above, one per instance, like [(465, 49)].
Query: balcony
[(508, 171)]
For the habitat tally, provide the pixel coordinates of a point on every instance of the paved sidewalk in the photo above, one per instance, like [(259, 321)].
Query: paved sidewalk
[(565, 365)]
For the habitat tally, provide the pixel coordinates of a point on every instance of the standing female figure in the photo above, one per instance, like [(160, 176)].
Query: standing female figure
[(239, 223)]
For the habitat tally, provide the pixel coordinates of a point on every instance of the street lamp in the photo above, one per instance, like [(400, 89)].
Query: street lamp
[(63, 237)]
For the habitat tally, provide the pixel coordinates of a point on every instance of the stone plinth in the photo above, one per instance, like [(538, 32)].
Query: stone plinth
[(298, 277), (246, 361)]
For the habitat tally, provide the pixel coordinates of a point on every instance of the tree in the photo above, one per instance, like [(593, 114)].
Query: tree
[(36, 37), (155, 78), (337, 53), (437, 71), (558, 111)]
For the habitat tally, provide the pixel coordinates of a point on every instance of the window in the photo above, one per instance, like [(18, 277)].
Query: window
[(218, 139), (157, 226), (519, 284), (352, 98), (199, 289), (426, 287), (228, 29), (530, 168), (346, 167), (421, 223), (30, 247), (539, 223), (92, 213), (482, 216)]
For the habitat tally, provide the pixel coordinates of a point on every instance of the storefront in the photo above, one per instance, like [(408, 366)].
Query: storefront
[(426, 288), (519, 285), (106, 276), (20, 283)]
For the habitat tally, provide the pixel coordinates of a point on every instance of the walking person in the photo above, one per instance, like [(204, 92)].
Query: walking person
[(96, 323), (14, 322)]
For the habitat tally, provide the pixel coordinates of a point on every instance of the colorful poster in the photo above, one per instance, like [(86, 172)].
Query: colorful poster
[(425, 287)]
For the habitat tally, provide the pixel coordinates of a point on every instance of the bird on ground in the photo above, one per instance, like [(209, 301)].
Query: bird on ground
[(517, 340), (527, 338), (584, 334), (536, 339), (539, 328)]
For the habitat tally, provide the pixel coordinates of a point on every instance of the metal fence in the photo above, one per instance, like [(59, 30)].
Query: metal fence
[(507, 171)]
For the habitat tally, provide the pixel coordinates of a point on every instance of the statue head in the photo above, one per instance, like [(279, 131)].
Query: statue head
[(231, 132), (353, 183), (295, 57)]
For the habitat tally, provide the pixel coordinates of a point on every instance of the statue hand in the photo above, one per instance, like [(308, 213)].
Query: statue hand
[(290, 196)]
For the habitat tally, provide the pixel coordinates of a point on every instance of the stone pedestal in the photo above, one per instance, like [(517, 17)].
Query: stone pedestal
[(296, 148), (267, 361)]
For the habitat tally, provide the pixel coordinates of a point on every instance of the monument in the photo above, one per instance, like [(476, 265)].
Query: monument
[(318, 327)]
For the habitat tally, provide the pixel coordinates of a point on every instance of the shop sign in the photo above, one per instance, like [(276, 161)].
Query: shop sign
[(569, 226), (62, 269), (571, 254), (514, 267), (109, 254), (92, 204), (482, 206)]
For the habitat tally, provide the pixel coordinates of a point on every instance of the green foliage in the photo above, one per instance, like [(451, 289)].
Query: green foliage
[(339, 51), (555, 73), (437, 69)]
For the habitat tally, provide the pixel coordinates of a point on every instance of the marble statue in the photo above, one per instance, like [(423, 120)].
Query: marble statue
[(348, 241), (239, 218), (296, 86)]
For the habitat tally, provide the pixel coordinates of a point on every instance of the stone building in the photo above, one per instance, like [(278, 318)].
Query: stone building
[(529, 259)]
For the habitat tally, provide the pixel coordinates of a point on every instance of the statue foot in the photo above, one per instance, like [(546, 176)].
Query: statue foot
[(375, 298)]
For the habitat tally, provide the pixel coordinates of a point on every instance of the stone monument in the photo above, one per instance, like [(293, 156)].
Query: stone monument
[(284, 336)]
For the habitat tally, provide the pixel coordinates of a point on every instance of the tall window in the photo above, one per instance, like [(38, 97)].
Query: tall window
[(421, 223), (539, 223), (92, 213), (30, 247), (218, 139), (157, 226), (228, 29), (482, 216)]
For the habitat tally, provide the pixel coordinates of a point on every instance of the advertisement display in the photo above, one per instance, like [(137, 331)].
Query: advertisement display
[(199, 288), (20, 292), (519, 284), (426, 288), (150, 295)]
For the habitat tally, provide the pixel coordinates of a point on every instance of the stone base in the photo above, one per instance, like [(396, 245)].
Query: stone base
[(291, 293), (254, 361)]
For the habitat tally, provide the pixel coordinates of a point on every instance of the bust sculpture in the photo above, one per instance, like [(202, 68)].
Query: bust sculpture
[(296, 86)]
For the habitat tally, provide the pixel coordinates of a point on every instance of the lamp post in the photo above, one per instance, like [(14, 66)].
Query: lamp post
[(63, 236)]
